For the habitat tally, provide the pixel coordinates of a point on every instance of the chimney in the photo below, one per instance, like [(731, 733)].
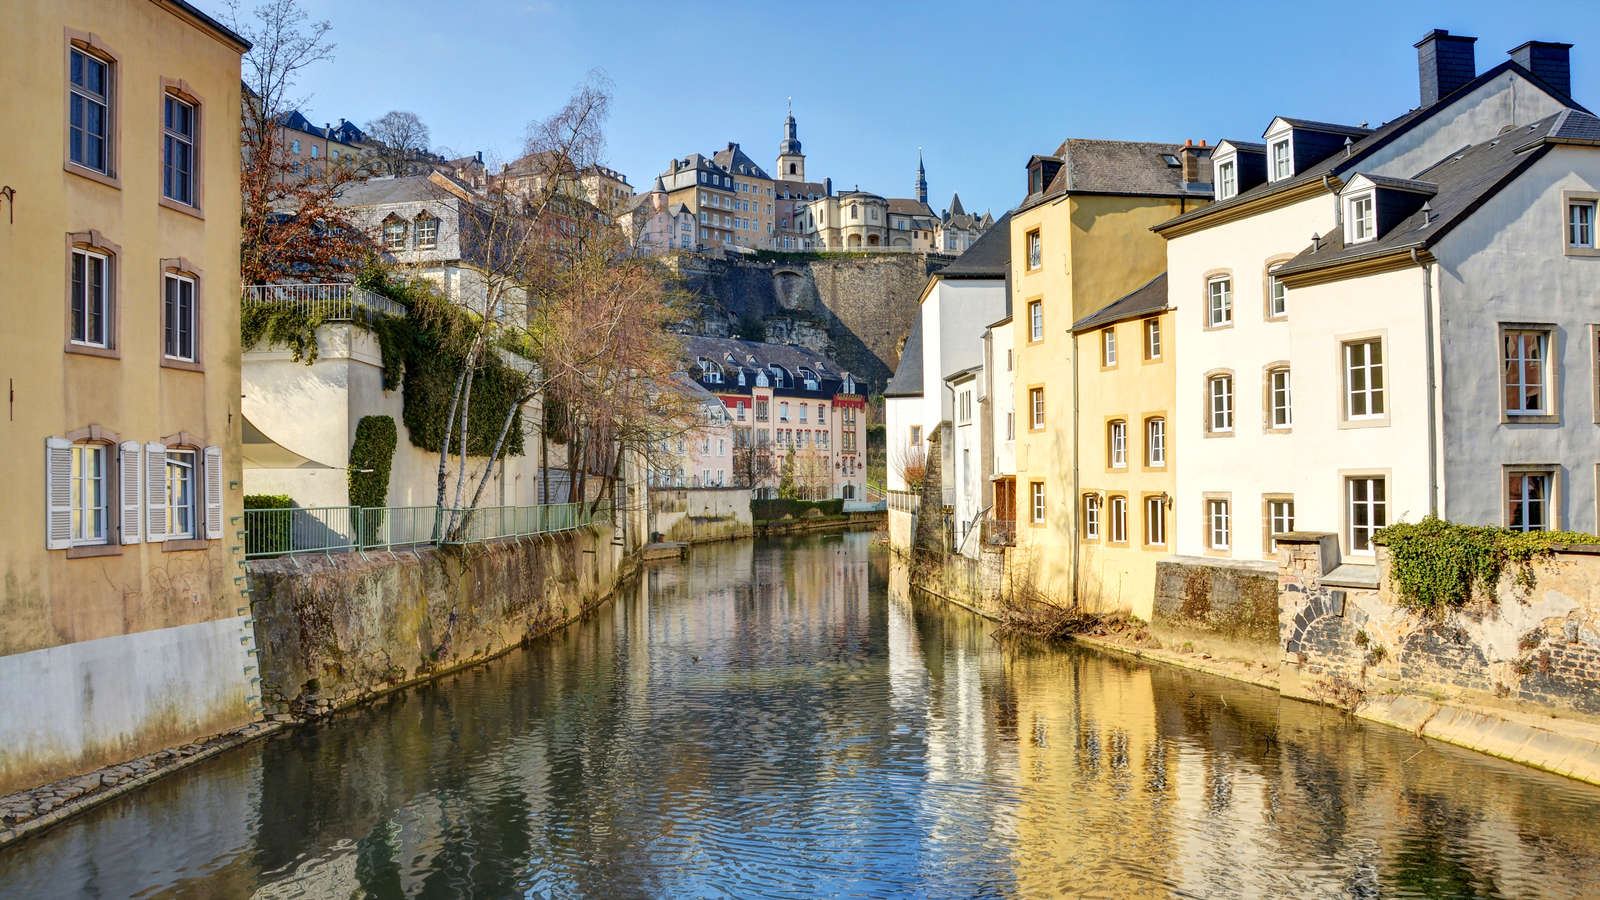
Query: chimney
[(1550, 62), (1444, 63), (1189, 158)]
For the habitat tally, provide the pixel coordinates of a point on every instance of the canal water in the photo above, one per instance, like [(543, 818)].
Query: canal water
[(779, 719)]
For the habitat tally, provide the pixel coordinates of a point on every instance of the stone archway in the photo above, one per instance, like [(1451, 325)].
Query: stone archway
[(854, 242), (872, 240)]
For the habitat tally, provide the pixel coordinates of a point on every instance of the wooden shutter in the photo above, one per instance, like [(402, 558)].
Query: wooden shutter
[(130, 485), (58, 493), (155, 492), (213, 477)]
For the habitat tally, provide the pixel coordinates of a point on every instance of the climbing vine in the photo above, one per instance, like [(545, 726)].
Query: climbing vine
[(1436, 566), (371, 455), (422, 352)]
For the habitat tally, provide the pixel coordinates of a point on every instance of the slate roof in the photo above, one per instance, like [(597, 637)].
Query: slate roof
[(398, 189), (955, 205), (1245, 146), (909, 206), (988, 257), (1576, 126), (1145, 299), (1411, 185), (1466, 179), (1338, 163), (738, 163), (791, 358), (1354, 131), (907, 380), (1119, 167)]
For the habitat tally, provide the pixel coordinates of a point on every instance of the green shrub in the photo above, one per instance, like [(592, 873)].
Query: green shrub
[(267, 533), (371, 456), (1435, 566)]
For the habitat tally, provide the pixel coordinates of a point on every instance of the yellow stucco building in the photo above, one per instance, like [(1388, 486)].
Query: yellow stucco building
[(120, 612), (1125, 468), (1080, 240)]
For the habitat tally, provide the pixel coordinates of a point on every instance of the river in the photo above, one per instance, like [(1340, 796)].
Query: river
[(779, 719)]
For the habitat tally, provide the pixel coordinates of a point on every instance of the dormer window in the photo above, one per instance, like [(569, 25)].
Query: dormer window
[(1360, 219), (1279, 152), (1227, 179)]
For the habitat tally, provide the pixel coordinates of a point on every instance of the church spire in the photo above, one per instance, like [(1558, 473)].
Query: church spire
[(922, 180)]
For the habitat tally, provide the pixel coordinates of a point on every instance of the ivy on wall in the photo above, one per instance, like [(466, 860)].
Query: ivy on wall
[(1436, 566), (371, 456), (422, 353)]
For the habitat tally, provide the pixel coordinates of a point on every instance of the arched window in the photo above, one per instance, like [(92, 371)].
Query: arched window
[(426, 231), (394, 233)]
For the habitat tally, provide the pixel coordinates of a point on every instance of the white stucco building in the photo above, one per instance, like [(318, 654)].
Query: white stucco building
[(1347, 310), (958, 305)]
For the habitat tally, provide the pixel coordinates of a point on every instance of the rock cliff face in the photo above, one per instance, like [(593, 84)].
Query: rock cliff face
[(855, 310)]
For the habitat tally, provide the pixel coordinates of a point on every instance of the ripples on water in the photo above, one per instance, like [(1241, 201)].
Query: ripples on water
[(780, 720)]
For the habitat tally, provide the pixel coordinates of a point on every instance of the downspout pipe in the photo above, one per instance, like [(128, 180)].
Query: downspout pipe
[(1075, 499), (1338, 208), (1433, 382)]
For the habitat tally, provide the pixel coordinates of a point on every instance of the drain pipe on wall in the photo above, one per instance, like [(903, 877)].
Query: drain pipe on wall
[(1077, 489), (1433, 382)]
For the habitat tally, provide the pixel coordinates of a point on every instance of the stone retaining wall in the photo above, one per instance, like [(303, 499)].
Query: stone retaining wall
[(700, 515), (1344, 635), (335, 630), (1223, 604)]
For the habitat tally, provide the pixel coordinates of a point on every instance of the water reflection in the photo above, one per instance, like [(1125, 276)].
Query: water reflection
[(782, 719)]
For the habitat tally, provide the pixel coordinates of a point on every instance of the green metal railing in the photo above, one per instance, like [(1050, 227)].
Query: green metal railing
[(331, 529)]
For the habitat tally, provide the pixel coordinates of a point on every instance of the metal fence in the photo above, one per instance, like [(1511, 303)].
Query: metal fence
[(332, 529), (332, 302), (1000, 532)]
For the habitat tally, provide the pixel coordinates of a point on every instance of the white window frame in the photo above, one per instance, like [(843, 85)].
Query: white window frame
[(1517, 509), (1580, 224), (1287, 170), (1091, 516), (1219, 301), (102, 300), (1155, 441), (1035, 239), (1219, 404), (85, 507), (1036, 507), (182, 471), (1277, 295), (1155, 521), (1117, 519), (1219, 523), (86, 97), (1152, 339), (396, 235), (173, 142), (1036, 407), (1361, 217), (1514, 367), (1374, 403), (425, 231), (1280, 519), (1227, 179), (1117, 441), (176, 325), (1280, 398), (1108, 346), (1036, 320)]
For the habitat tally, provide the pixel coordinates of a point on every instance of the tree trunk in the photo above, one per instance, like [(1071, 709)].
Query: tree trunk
[(499, 445), (444, 455)]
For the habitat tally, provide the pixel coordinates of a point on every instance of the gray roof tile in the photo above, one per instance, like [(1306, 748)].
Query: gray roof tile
[(1147, 298)]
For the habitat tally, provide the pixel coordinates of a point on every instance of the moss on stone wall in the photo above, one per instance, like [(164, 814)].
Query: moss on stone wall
[(1436, 566)]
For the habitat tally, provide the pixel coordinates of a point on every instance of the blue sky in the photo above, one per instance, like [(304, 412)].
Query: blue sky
[(979, 86)]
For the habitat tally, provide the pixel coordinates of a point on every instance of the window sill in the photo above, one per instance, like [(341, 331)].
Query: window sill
[(1148, 467), (109, 181), (1509, 418), (1277, 429), (1218, 554), (86, 350), (84, 551), (182, 365), (177, 545), (1379, 422), (179, 206), (1590, 252), (1223, 327), (1218, 434)]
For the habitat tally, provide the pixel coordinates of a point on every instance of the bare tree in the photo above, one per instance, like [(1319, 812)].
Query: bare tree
[(813, 479), (402, 138), (911, 464), (290, 224)]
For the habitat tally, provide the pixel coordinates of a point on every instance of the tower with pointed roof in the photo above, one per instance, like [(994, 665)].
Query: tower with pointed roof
[(791, 162), (922, 179)]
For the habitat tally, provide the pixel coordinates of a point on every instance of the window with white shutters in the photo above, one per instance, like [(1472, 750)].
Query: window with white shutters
[(213, 492), (155, 492), (58, 493), (130, 490)]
